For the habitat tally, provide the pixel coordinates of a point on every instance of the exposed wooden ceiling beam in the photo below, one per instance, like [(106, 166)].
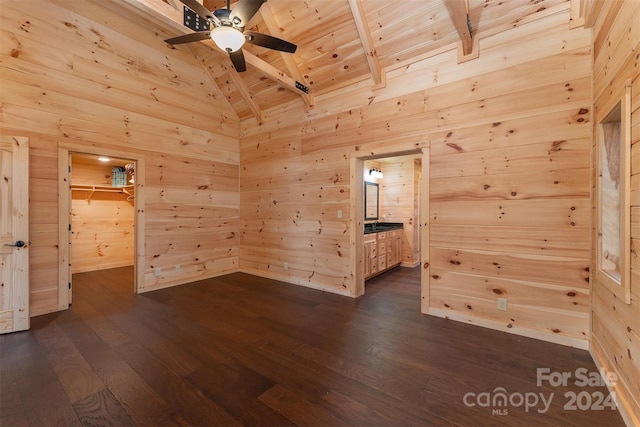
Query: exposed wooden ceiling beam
[(273, 27), (459, 10), (377, 73), (174, 3), (277, 75), (218, 91), (592, 9), (242, 88), (160, 7)]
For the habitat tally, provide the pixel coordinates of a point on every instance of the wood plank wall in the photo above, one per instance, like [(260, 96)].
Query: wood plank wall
[(68, 77), (510, 139), (616, 325), (102, 222), (398, 190)]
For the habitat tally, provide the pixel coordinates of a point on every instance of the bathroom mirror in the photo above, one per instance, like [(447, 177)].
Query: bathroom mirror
[(370, 201)]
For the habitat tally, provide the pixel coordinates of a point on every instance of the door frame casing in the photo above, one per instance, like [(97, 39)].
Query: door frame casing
[(65, 150)]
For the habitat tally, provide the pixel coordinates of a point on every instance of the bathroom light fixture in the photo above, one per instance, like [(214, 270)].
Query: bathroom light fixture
[(375, 173)]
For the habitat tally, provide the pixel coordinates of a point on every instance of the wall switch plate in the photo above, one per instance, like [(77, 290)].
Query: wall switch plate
[(178, 269), (502, 304), (339, 213), (286, 266), (158, 272)]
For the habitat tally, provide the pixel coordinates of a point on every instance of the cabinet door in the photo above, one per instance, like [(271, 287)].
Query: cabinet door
[(391, 253), (373, 262), (382, 262), (370, 256), (382, 248), (394, 253), (367, 262)]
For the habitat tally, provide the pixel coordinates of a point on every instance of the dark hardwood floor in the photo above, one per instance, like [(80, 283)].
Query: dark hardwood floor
[(242, 350)]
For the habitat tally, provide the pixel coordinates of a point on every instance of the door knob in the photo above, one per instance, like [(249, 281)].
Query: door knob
[(18, 244)]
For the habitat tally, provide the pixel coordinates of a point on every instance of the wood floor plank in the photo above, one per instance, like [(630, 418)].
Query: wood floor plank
[(42, 396), (236, 388), (101, 325), (245, 350), (48, 406), (297, 409), (140, 402), (348, 408), (137, 323), (73, 371), (188, 402), (11, 407), (102, 409)]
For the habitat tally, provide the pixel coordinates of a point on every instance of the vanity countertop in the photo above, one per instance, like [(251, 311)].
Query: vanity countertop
[(377, 227)]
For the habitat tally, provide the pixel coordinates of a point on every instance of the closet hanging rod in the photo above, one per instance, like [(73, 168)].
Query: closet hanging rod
[(102, 189)]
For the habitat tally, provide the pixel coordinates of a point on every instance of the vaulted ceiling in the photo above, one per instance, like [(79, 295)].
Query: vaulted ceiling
[(342, 42)]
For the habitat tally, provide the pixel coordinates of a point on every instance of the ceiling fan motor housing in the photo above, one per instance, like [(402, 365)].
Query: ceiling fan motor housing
[(224, 15)]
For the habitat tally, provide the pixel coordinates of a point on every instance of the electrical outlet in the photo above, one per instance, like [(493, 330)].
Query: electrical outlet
[(339, 214), (502, 304), (158, 272), (286, 266), (178, 269)]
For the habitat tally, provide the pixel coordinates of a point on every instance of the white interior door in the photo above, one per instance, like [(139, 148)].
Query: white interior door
[(14, 234)]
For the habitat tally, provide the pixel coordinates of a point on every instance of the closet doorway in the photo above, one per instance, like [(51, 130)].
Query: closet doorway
[(100, 215)]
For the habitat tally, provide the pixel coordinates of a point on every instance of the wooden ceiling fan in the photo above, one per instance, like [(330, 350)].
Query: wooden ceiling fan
[(227, 30)]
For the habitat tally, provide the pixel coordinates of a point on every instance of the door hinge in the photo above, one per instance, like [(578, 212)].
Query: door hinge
[(69, 285), (69, 227), (69, 168)]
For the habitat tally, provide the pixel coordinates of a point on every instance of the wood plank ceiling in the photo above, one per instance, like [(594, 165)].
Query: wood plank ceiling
[(340, 42)]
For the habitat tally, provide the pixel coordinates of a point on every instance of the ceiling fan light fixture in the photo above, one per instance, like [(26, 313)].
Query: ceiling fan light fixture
[(227, 38)]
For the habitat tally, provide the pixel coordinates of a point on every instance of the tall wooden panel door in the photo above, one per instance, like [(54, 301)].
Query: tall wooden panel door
[(14, 234)]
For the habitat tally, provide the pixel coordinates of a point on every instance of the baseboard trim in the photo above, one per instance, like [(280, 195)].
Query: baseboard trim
[(289, 280), (516, 330), (619, 389)]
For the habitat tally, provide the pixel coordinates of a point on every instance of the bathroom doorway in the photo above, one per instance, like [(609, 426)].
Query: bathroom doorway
[(404, 169)]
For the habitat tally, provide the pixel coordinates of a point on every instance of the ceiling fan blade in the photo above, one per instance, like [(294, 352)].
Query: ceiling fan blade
[(237, 58), (244, 11), (188, 38), (270, 42), (202, 11)]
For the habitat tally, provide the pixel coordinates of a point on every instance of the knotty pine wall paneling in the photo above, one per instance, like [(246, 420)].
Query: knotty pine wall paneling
[(615, 324), (98, 75), (399, 191), (510, 210)]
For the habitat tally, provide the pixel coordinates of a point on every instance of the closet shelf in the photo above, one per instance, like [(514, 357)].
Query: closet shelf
[(127, 189)]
